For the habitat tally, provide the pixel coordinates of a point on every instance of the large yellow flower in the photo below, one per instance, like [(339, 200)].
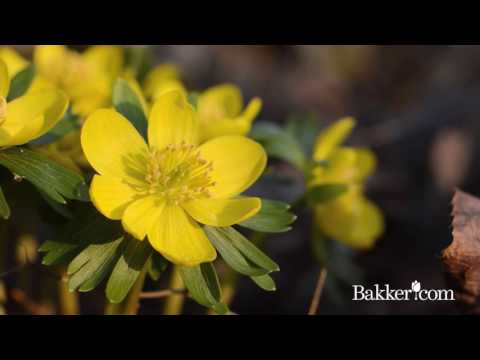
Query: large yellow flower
[(163, 190), (86, 77), (350, 218), (30, 116), (221, 112)]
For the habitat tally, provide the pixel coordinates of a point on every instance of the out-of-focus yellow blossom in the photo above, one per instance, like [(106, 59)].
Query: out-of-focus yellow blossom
[(350, 218), (29, 116), (67, 152), (161, 77), (14, 61), (86, 77), (221, 112), (163, 190)]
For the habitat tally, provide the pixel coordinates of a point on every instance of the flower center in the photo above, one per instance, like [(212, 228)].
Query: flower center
[(3, 109), (179, 174)]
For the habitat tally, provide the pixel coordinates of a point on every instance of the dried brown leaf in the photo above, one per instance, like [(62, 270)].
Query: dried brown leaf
[(462, 257)]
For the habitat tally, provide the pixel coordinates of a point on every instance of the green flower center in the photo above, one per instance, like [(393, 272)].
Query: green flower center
[(3, 109), (179, 174)]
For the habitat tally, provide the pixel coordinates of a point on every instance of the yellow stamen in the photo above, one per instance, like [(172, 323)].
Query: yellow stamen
[(178, 174)]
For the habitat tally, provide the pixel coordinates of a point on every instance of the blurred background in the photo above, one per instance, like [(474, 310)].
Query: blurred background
[(417, 107)]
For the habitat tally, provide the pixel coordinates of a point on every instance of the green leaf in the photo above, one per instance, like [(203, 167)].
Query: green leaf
[(20, 83), (305, 129), (87, 226), (54, 180), (57, 207), (230, 254), (273, 217), (93, 264), (279, 143), (324, 193), (4, 208), (250, 251), (128, 268), (265, 282), (202, 284), (68, 124), (127, 103), (157, 266)]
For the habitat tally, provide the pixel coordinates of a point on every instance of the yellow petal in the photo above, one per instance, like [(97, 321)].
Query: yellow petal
[(31, 116), (345, 165), (172, 121), (220, 101), (4, 80), (180, 239), (14, 61), (113, 146), (240, 125), (105, 59), (237, 163), (140, 216), (111, 196), (332, 137), (169, 85), (366, 163), (223, 212), (40, 83), (158, 76), (51, 61), (351, 219)]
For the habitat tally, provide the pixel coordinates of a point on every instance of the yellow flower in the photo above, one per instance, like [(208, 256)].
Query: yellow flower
[(30, 116), (87, 77), (350, 218), (163, 190), (220, 112)]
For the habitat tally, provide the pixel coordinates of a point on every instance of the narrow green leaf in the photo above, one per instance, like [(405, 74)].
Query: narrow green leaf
[(4, 208), (202, 284), (157, 266), (87, 226), (324, 193), (20, 83), (128, 268), (273, 217), (54, 180), (250, 251), (127, 103), (230, 254), (94, 261), (279, 143), (265, 282)]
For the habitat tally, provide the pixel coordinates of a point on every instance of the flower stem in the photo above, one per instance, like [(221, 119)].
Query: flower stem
[(68, 301), (174, 303), (113, 309), (133, 302), (318, 292)]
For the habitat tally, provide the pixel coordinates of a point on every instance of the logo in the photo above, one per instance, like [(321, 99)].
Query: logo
[(415, 293)]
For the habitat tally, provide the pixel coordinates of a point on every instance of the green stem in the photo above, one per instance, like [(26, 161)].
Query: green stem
[(68, 301), (133, 301), (174, 303), (113, 309)]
